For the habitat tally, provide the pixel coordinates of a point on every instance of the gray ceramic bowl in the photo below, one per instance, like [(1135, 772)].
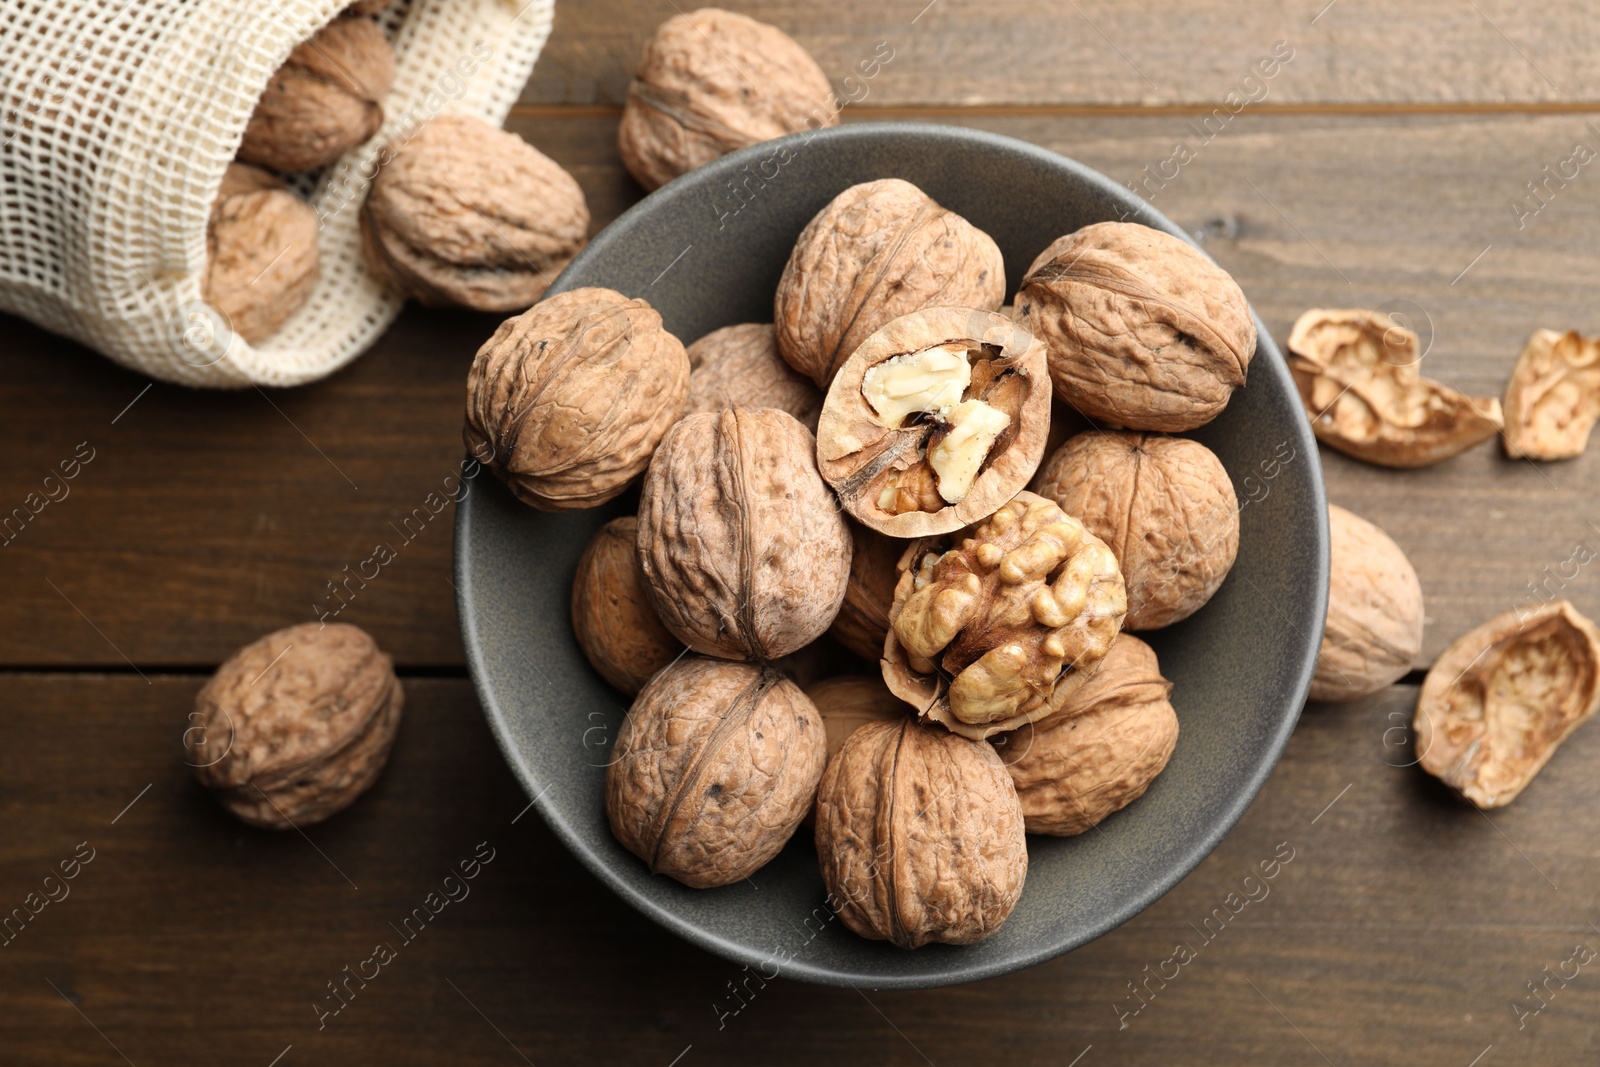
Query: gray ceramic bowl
[(1240, 667)]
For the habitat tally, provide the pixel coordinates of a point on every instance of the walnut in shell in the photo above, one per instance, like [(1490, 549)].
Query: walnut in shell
[(745, 554), (936, 420), (296, 725), (570, 398), (1143, 330), (711, 82), (739, 366), (1166, 507), (920, 836), (1100, 750), (1374, 628), (714, 767), (1359, 379), (863, 619), (848, 702), (1499, 702), (466, 213), (261, 252), (877, 251), (325, 99), (611, 614), (995, 626), (1553, 398)]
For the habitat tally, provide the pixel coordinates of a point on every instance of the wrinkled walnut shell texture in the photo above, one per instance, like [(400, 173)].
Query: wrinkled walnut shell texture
[(744, 552), (863, 619), (1101, 750), (739, 366), (466, 213), (1143, 330), (877, 251), (261, 252), (1498, 703), (1374, 628), (1553, 398), (1166, 507), (295, 725), (848, 702), (611, 614), (569, 399), (714, 767), (920, 836)]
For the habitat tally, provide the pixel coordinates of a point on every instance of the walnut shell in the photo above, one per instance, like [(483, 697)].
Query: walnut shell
[(1553, 397), (711, 82), (995, 626), (1498, 703), (1143, 330), (325, 99), (886, 470), (1166, 507), (466, 213), (1374, 628), (570, 398), (744, 552), (611, 614), (739, 366), (863, 619), (848, 702), (879, 250), (920, 836), (261, 252), (714, 767), (1358, 376), (296, 725)]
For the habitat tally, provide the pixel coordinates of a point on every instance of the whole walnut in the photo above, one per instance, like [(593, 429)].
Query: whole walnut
[(920, 836), (863, 619), (296, 725), (325, 99), (714, 767), (611, 614), (711, 82), (848, 702), (739, 366), (1100, 750), (936, 420), (744, 552), (1553, 397), (1166, 507), (570, 398), (879, 250), (261, 252), (466, 213), (1374, 628), (1143, 330), (995, 626)]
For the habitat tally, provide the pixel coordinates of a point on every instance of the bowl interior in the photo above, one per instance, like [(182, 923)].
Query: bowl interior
[(707, 251)]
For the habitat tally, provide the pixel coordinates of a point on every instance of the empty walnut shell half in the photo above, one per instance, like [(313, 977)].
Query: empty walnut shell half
[(1374, 628), (744, 552), (1166, 507), (1142, 329), (611, 614), (1359, 379), (325, 99), (994, 626), (261, 252), (920, 836), (1553, 398), (714, 767), (1499, 702), (296, 725), (1100, 750), (936, 420), (863, 619), (465, 213), (848, 702), (569, 399), (739, 366), (713, 81), (877, 251)]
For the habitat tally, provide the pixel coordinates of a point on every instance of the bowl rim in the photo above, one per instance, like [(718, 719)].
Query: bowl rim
[(1268, 359)]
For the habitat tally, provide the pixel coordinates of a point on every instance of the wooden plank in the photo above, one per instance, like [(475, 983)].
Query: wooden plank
[(190, 938), (1100, 53)]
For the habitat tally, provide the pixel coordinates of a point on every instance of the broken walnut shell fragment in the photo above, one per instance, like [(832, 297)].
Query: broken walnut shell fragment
[(1553, 397), (1374, 627), (1499, 702)]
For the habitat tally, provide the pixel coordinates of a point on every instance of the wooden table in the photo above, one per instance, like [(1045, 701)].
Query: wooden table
[(1379, 166)]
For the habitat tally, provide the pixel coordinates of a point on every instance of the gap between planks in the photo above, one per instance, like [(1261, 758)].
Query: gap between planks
[(1532, 107)]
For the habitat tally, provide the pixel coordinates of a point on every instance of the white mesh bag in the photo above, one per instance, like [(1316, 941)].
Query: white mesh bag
[(117, 121)]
